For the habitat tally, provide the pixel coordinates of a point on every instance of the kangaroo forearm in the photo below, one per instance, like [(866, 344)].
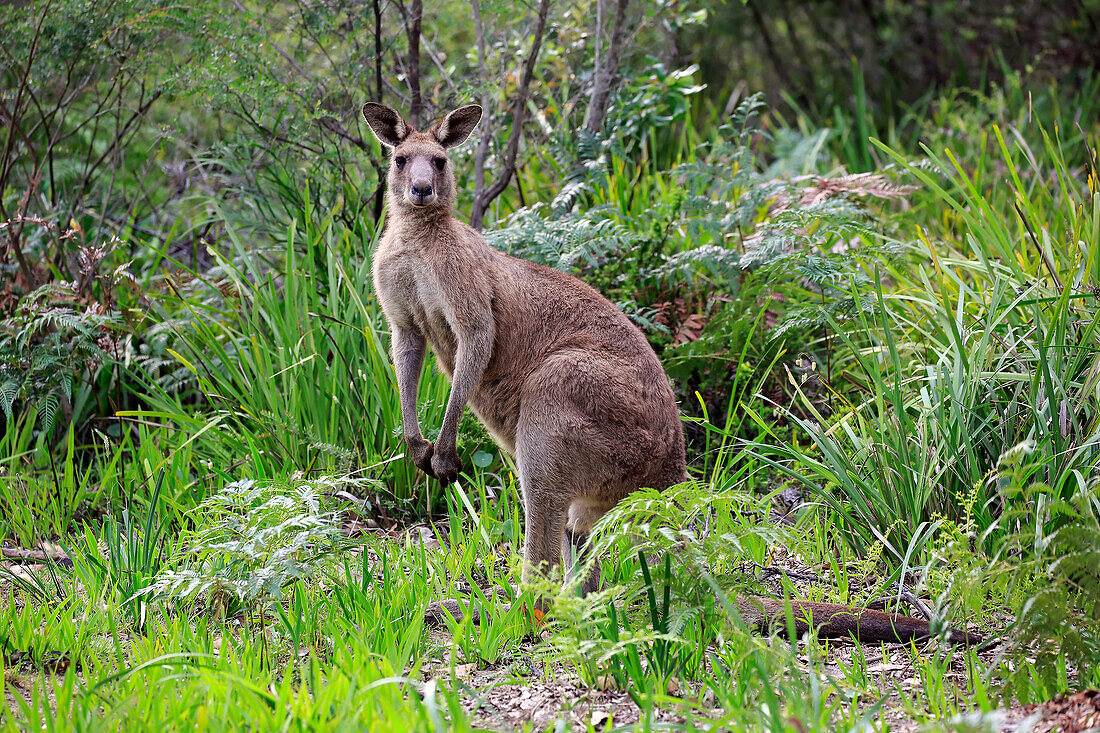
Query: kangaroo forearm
[(456, 403), (408, 354), (470, 362), (409, 421)]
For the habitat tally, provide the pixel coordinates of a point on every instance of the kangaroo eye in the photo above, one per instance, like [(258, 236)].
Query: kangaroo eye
[(440, 163), (399, 161)]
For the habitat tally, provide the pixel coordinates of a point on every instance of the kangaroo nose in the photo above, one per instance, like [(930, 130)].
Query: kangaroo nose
[(422, 190)]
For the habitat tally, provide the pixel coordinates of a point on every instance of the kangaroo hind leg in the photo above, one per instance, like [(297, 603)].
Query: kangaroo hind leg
[(576, 546), (544, 522)]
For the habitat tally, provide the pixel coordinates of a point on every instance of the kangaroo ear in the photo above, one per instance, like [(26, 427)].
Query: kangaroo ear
[(456, 127), (387, 125)]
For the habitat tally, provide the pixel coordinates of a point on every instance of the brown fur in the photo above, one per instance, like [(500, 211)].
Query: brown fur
[(560, 377)]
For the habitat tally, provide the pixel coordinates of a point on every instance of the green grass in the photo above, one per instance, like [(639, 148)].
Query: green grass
[(340, 640), (44, 504)]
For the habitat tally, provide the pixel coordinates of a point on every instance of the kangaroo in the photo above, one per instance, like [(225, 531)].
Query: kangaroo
[(559, 376)]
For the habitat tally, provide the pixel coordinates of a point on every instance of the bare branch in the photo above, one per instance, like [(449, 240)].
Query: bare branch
[(416, 104), (487, 131), (607, 71), (7, 161), (439, 65), (519, 116), (268, 36), (334, 125)]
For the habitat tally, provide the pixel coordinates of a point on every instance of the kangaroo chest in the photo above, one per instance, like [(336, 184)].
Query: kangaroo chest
[(413, 298)]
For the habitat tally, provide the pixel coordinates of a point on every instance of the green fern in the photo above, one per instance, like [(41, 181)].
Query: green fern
[(260, 537), (51, 341), (679, 521), (569, 243), (1048, 549), (812, 228)]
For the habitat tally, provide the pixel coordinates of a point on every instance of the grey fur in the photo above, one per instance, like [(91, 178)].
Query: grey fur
[(560, 377)]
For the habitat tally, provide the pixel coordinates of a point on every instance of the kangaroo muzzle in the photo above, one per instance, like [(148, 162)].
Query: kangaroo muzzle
[(422, 189)]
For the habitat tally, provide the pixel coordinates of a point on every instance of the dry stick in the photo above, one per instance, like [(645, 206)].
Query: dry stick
[(605, 77), (519, 114), (767, 570), (915, 602), (439, 65), (20, 555), (1039, 247), (1091, 156)]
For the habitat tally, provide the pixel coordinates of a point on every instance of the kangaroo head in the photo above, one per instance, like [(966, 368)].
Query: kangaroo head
[(420, 174)]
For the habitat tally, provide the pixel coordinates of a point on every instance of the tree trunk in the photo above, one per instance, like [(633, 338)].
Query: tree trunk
[(379, 167), (377, 7)]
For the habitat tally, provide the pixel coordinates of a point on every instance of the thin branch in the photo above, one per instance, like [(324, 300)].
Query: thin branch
[(334, 126), (7, 162), (268, 39), (519, 115), (487, 131), (397, 93), (605, 77), (138, 113), (439, 65)]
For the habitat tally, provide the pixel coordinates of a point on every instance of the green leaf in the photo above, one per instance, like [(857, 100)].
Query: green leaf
[(482, 459)]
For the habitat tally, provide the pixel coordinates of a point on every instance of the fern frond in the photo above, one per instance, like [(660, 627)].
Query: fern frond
[(9, 391), (48, 410), (565, 243)]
